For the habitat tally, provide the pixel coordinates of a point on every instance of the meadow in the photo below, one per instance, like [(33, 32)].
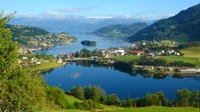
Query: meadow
[(126, 58), (191, 52), (45, 66)]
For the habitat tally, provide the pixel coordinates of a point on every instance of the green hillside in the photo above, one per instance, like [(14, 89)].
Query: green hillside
[(120, 30), (184, 26), (30, 36), (21, 30)]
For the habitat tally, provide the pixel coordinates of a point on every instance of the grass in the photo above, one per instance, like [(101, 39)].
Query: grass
[(191, 52), (126, 58), (155, 109), (193, 60), (72, 99), (143, 109), (70, 110), (46, 65)]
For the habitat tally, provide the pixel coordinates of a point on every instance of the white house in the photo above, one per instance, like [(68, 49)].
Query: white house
[(38, 63), (59, 60), (24, 58), (121, 51)]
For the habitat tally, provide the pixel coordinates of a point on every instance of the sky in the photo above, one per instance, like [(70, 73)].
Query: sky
[(144, 9)]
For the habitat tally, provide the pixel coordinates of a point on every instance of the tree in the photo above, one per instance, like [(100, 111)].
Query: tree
[(57, 95), (183, 97), (195, 98), (78, 92), (113, 100), (20, 89), (155, 99), (95, 93)]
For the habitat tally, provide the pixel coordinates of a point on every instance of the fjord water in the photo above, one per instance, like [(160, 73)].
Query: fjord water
[(121, 82), (102, 43), (118, 82)]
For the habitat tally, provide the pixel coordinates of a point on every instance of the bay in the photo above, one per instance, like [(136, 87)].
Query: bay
[(101, 43), (118, 82)]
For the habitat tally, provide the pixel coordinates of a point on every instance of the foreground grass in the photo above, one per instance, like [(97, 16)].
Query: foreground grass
[(126, 58), (155, 109), (65, 110), (45, 65), (71, 100), (191, 52), (143, 109)]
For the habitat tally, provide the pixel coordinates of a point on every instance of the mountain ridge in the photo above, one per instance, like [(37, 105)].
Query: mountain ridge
[(74, 24), (120, 30), (184, 26)]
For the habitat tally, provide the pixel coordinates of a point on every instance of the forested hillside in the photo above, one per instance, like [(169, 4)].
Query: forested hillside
[(120, 30), (30, 36), (185, 26)]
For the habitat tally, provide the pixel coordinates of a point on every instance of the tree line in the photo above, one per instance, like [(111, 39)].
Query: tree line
[(87, 53), (184, 98)]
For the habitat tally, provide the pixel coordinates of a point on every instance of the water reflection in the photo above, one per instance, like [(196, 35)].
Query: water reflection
[(122, 68)]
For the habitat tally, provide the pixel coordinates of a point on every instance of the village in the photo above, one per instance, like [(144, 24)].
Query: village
[(34, 39), (116, 54)]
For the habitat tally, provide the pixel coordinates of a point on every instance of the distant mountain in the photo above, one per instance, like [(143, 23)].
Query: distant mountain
[(120, 30), (73, 24), (185, 26)]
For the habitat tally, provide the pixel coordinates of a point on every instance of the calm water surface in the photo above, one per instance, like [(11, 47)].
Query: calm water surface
[(114, 81), (102, 43)]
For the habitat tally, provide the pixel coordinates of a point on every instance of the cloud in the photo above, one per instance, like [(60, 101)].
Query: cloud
[(51, 13), (74, 9), (164, 16), (75, 75), (44, 15), (100, 17)]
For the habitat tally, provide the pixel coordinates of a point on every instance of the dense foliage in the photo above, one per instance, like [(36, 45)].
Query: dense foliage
[(87, 53), (185, 26), (120, 30), (184, 98), (20, 89), (88, 43)]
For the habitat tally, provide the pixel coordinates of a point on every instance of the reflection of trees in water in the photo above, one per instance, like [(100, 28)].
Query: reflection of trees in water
[(177, 76), (44, 72), (123, 67), (193, 76), (156, 76), (197, 78)]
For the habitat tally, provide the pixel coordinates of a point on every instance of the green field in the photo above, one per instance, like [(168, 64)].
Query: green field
[(126, 58), (155, 109), (191, 52), (46, 65), (193, 60)]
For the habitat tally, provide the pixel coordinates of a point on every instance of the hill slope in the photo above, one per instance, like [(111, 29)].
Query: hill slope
[(21, 30), (30, 36), (185, 26), (120, 30)]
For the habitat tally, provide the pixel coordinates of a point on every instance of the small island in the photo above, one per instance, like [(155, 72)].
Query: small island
[(88, 43)]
